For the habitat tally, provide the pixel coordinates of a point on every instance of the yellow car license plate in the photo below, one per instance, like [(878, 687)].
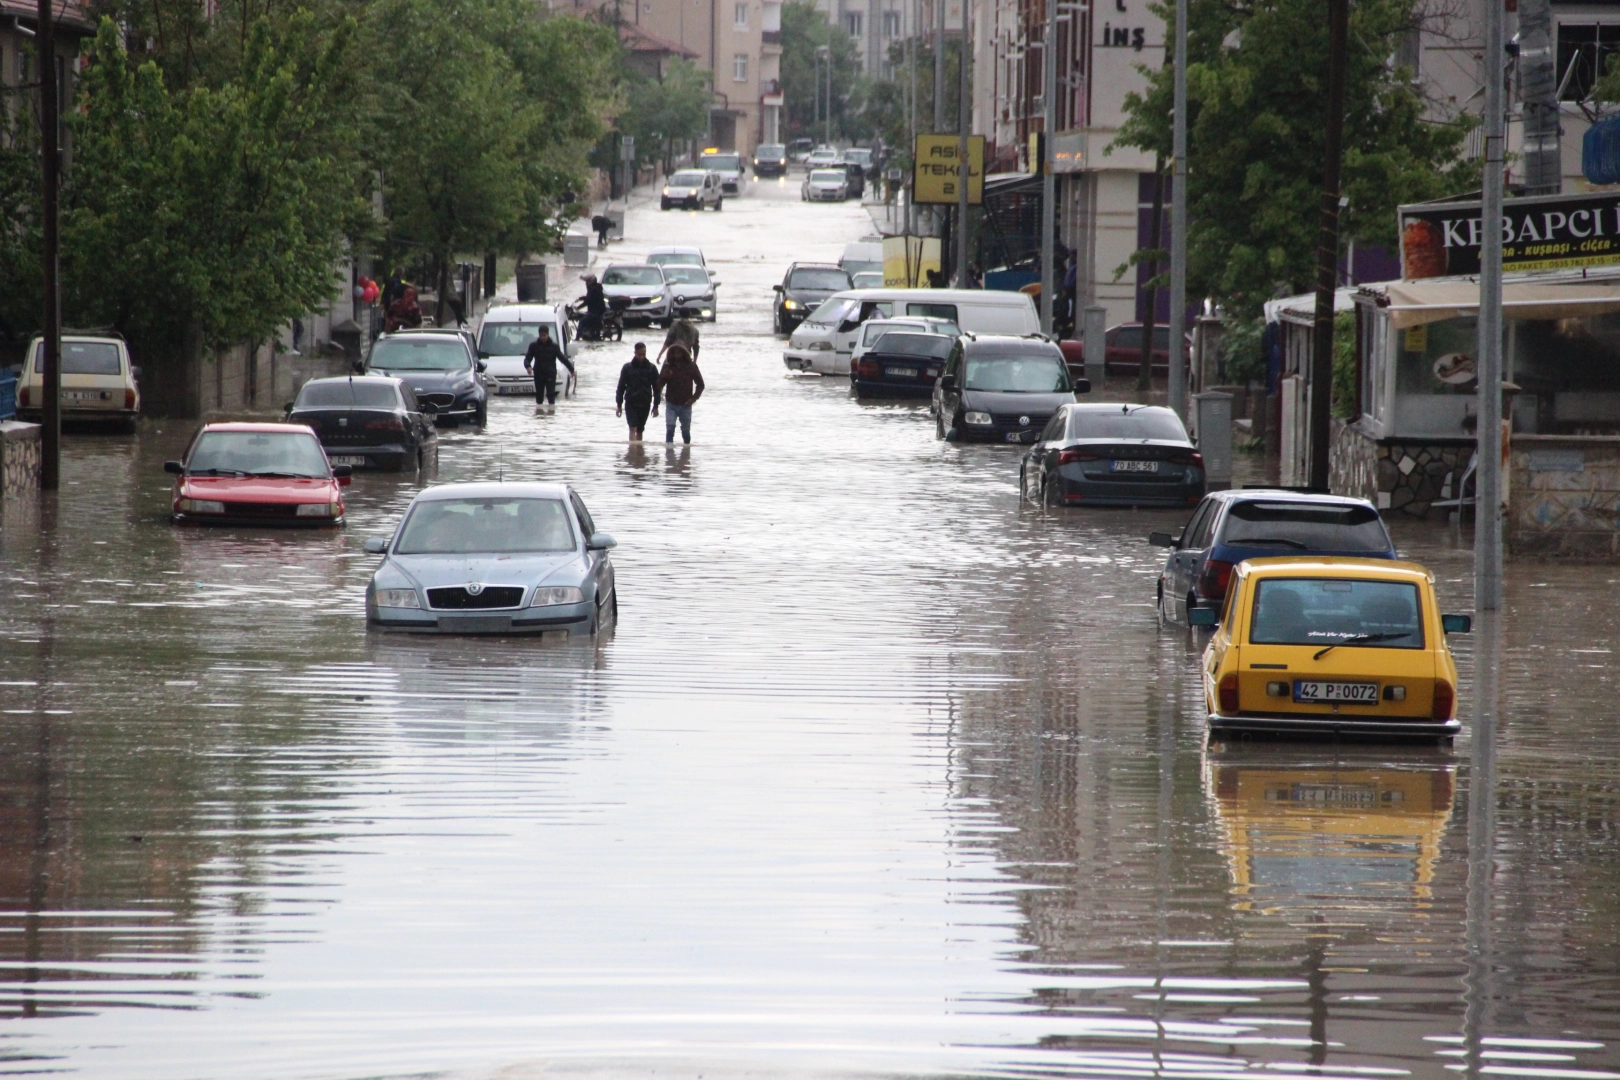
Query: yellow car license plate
[(1336, 693)]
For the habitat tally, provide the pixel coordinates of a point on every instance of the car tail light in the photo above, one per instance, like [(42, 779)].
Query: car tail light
[(1188, 457), (390, 424), (22, 397), (1228, 693), (129, 399), (866, 369), (1068, 457), (1213, 581), (1445, 700)]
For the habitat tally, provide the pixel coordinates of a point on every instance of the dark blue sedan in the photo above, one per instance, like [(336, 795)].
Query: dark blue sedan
[(900, 365)]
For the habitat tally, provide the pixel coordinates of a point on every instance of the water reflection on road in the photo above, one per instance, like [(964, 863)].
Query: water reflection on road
[(882, 772)]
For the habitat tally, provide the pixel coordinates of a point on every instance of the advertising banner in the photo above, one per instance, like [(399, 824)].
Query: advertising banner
[(936, 169), (908, 259), (1552, 232)]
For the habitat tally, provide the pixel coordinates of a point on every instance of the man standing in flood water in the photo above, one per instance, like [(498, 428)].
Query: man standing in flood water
[(637, 392), (542, 357), (681, 384)]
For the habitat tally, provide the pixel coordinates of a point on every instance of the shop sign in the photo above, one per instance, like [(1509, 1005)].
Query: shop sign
[(937, 169), (1553, 232)]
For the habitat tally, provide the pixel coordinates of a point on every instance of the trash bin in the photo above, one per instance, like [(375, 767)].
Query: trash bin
[(531, 283), (617, 217), (576, 250)]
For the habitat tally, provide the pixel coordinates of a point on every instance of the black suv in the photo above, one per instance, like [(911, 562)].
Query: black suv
[(440, 366), (770, 159), (1003, 389), (803, 289)]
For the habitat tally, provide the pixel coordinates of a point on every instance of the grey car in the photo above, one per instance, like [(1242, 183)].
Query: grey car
[(494, 558), (646, 289)]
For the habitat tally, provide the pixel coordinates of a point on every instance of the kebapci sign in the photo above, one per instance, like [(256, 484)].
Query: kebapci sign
[(1552, 232)]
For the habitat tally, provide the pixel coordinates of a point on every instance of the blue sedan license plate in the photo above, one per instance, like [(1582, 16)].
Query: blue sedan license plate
[(1336, 693), (1134, 466)]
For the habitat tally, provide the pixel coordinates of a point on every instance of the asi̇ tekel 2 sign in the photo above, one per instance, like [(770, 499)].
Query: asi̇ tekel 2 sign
[(1548, 233), (936, 169)]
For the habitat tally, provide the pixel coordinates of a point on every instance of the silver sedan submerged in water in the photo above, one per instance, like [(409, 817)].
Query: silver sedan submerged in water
[(493, 559)]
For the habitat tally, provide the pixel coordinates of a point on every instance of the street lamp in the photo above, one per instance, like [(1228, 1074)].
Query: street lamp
[(824, 53)]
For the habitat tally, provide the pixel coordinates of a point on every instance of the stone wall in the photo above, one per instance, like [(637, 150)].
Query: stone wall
[(1395, 475), (1564, 496), (1353, 463), (235, 381), (20, 460)]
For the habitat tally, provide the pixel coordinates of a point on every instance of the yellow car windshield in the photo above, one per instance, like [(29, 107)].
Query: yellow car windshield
[(1336, 611)]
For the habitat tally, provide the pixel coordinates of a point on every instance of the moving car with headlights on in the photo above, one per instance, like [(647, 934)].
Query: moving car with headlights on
[(692, 189), (504, 338), (441, 369), (1339, 647), (644, 288), (1001, 389), (98, 381), (257, 474), (1113, 455), (695, 291), (1253, 523), (770, 160), (368, 422), (825, 185), (803, 289), (727, 166), (497, 558)]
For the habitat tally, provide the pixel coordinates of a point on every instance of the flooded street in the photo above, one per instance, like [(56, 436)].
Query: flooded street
[(882, 772)]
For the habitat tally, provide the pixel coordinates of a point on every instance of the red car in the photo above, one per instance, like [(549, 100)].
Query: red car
[(1123, 352), (257, 474)]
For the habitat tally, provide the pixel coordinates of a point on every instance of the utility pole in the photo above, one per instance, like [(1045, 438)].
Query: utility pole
[(1327, 248), (1177, 330), (50, 474), (829, 94), (1048, 181), (1488, 434), (964, 168), (939, 66)]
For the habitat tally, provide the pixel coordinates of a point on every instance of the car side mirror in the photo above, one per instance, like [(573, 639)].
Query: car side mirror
[(428, 408), (342, 474), (847, 325), (376, 545), (1457, 624), (1203, 616), (600, 541), (778, 288), (947, 382), (359, 367), (287, 408), (480, 367), (174, 467), (1162, 539), (482, 355), (1081, 386)]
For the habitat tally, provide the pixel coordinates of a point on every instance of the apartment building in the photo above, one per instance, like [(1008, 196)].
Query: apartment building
[(875, 25)]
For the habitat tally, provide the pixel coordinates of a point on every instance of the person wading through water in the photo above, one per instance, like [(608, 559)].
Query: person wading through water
[(542, 358), (638, 392), (683, 333), (682, 384)]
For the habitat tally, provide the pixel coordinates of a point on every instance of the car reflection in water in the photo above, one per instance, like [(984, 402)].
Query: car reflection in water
[(1303, 835)]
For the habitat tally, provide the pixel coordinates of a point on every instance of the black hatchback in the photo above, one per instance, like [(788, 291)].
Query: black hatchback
[(1114, 455), (1001, 389), (368, 422), (900, 364)]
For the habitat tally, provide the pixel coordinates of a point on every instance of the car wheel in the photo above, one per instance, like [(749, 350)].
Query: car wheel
[(664, 205), (481, 418), (721, 202)]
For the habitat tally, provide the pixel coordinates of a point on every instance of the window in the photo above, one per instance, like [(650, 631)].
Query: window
[(83, 358), (478, 526), (1301, 526), (739, 67), (1587, 48), (852, 23), (1336, 611), (739, 16), (891, 24)]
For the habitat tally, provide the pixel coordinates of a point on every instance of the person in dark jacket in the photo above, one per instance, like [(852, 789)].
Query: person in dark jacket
[(681, 384), (542, 357), (638, 391), (596, 305)]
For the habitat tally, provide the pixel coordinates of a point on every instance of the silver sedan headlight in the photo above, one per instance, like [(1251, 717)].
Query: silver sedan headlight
[(555, 595), (398, 598)]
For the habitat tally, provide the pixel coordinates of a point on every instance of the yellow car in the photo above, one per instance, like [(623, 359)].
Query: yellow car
[(1331, 646)]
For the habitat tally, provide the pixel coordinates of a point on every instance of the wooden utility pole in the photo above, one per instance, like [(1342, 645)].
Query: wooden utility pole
[(50, 475), (1327, 250), (1144, 369)]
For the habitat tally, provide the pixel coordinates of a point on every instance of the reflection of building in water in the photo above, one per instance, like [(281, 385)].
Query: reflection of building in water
[(1342, 834)]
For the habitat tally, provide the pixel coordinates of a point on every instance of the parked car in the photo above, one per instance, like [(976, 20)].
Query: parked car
[(257, 474), (799, 149), (727, 166), (873, 329), (862, 255), (1122, 352), (854, 176), (826, 341), (695, 291), (98, 381), (676, 256), (368, 422), (504, 338), (1250, 523), (1001, 389), (1334, 647), (803, 288), (646, 289), (1114, 455), (770, 159), (692, 189), (901, 363), (822, 157), (867, 279), (440, 367), (825, 185), (493, 558)]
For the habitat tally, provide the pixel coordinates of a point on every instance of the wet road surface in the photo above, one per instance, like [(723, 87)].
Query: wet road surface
[(881, 773)]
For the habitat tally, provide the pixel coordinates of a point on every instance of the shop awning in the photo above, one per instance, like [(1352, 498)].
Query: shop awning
[(1413, 303)]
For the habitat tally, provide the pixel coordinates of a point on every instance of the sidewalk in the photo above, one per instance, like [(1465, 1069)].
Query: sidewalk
[(563, 283)]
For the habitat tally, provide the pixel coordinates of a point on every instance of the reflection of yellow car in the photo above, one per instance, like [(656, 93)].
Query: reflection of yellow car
[(1339, 646)]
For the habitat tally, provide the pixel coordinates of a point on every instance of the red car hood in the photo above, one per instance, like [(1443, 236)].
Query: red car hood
[(257, 489)]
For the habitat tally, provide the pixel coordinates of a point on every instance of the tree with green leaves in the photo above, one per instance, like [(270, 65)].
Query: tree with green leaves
[(1257, 98), (804, 76), (660, 114)]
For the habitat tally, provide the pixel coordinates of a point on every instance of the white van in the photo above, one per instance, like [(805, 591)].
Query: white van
[(823, 342), (504, 337)]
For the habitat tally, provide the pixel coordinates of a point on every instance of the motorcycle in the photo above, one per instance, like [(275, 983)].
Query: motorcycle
[(609, 328)]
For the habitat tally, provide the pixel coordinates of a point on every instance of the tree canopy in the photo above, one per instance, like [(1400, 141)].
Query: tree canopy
[(804, 77)]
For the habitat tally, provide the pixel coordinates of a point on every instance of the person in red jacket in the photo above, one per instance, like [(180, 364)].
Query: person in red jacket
[(681, 384)]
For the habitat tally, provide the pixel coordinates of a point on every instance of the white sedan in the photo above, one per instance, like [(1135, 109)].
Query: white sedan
[(825, 185)]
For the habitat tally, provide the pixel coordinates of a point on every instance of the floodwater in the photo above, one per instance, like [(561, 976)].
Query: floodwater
[(881, 773)]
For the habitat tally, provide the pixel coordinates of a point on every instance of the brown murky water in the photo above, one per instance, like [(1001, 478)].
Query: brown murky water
[(882, 773)]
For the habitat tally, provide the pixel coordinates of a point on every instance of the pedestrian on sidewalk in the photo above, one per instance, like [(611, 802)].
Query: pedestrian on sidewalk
[(681, 383), (542, 357), (638, 392)]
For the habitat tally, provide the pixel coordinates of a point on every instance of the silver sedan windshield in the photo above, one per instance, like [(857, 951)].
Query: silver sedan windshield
[(486, 526)]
